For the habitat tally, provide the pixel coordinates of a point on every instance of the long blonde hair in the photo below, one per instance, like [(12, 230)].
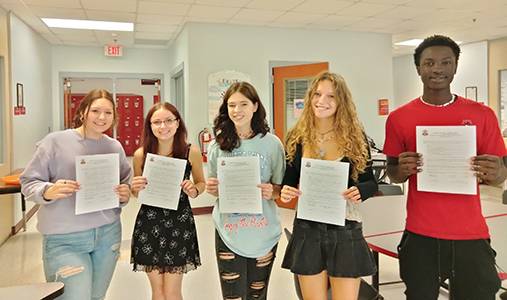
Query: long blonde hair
[(348, 130)]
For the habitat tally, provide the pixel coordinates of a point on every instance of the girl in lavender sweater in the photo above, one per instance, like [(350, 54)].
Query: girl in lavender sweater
[(79, 250)]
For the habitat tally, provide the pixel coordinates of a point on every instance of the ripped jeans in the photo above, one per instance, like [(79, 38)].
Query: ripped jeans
[(243, 278), (84, 261)]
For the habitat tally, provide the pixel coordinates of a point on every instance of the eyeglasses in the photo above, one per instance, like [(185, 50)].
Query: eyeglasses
[(166, 122)]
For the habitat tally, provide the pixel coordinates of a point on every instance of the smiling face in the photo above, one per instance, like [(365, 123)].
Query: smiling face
[(324, 100), (241, 110), (437, 67), (99, 117), (164, 124)]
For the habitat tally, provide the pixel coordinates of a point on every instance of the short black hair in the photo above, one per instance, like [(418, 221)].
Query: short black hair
[(436, 40)]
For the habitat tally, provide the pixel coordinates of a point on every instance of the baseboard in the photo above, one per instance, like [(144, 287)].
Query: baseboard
[(204, 210), (16, 228)]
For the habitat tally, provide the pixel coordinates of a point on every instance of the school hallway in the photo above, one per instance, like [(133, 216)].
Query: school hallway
[(20, 258)]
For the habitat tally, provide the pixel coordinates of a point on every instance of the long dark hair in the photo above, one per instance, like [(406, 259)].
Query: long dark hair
[(150, 141), (223, 127), (84, 107)]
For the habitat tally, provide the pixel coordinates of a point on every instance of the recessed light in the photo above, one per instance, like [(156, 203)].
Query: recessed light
[(88, 24)]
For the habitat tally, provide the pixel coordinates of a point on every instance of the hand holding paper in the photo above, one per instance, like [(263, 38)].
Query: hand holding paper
[(163, 176), (446, 152), (322, 183), (238, 190)]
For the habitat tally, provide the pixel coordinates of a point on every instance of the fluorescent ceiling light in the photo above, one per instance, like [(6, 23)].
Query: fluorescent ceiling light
[(88, 24), (415, 42)]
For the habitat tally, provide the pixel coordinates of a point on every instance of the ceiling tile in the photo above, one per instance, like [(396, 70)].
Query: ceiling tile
[(100, 15), (205, 20), (274, 5), (61, 13), (123, 38), (299, 18), (392, 2), (404, 12), (159, 8), (153, 35), (364, 9), (248, 22), (257, 15), (159, 19), (335, 22), (206, 11), (155, 28), (226, 3), (54, 3), (16, 2), (322, 6), (171, 1), (111, 5), (457, 4)]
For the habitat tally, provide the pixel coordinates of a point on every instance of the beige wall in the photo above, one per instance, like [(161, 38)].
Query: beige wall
[(497, 62), (6, 201)]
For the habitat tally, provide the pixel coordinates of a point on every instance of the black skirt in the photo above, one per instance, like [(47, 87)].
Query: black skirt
[(340, 250)]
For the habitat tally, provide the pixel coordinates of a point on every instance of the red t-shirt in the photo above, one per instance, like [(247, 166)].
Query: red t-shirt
[(442, 215)]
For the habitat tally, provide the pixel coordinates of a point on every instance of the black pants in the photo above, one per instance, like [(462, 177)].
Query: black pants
[(242, 277), (469, 265)]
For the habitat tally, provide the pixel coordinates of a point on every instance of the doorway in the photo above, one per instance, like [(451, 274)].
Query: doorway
[(289, 88), (290, 84), (134, 95)]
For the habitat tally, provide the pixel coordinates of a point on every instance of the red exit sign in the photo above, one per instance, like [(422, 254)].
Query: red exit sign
[(113, 50)]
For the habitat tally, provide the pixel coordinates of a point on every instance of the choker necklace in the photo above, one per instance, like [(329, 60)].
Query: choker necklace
[(453, 98), (324, 133), (245, 135), (326, 136)]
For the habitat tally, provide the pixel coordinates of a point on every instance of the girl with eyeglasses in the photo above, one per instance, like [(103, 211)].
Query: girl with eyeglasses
[(164, 242)]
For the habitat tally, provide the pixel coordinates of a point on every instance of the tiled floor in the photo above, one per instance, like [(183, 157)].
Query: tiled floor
[(20, 261)]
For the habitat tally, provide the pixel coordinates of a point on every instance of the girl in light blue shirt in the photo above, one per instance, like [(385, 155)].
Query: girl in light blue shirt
[(246, 244)]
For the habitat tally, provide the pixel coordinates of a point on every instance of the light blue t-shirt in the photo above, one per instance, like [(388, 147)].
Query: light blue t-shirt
[(252, 235)]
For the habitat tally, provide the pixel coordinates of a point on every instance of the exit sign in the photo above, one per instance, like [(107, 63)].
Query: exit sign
[(113, 50)]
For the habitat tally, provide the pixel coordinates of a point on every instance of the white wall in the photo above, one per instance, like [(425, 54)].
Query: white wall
[(31, 61), (31, 66), (472, 71), (407, 84), (178, 56), (73, 59), (364, 59)]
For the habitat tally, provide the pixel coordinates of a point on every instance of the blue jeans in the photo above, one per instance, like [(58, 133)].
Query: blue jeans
[(84, 261)]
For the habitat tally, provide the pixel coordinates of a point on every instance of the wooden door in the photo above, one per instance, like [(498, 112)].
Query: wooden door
[(289, 84)]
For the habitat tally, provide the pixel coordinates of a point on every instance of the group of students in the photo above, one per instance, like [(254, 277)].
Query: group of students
[(446, 235)]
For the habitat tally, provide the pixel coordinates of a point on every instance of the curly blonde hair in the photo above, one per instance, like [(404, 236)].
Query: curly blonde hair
[(348, 130)]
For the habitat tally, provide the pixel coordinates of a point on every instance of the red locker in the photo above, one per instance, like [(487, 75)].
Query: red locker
[(130, 122), (75, 100)]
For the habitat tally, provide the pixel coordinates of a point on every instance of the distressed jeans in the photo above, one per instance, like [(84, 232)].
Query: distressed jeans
[(84, 261), (243, 278)]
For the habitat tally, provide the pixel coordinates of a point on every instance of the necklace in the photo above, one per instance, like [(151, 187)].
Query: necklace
[(326, 136), (245, 135), (453, 98), (321, 139)]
